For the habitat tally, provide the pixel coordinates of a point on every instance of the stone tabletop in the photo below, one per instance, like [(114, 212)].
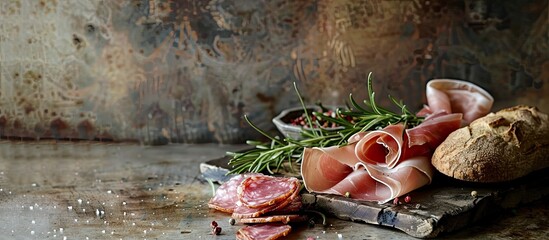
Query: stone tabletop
[(91, 190)]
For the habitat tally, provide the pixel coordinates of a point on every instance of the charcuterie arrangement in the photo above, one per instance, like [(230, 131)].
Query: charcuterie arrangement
[(377, 155), (267, 203)]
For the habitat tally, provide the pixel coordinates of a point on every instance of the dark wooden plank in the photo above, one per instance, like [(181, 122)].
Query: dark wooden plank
[(445, 206)]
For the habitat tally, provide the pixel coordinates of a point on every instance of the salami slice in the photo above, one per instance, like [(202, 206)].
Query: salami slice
[(289, 201), (295, 206), (261, 190), (243, 211), (265, 231), (239, 236), (276, 218), (225, 198)]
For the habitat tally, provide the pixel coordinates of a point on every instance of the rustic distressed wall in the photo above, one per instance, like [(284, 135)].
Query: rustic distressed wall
[(186, 71)]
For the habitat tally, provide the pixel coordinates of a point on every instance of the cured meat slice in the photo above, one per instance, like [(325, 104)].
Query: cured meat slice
[(295, 206), (434, 130), (321, 168), (262, 191), (404, 178), (374, 183), (250, 196), (456, 96), (286, 205), (265, 231), (239, 236), (276, 218), (243, 211), (381, 147), (382, 165), (225, 198)]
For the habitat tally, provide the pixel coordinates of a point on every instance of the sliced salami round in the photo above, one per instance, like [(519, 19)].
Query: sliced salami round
[(276, 218), (261, 190), (265, 231), (289, 201), (295, 206), (243, 211), (226, 197), (239, 236)]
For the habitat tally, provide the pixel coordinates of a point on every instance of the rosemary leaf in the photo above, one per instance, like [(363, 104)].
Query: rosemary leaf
[(259, 130), (304, 107), (356, 106)]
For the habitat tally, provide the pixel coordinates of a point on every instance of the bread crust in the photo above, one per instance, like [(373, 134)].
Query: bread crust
[(498, 147)]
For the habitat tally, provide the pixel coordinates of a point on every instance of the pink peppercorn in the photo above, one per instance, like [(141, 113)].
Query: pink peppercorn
[(216, 230), (408, 199)]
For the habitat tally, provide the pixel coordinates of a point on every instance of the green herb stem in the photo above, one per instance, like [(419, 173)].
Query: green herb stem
[(272, 155)]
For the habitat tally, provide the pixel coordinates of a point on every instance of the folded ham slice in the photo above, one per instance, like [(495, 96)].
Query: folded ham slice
[(379, 165), (366, 181), (434, 136), (457, 96)]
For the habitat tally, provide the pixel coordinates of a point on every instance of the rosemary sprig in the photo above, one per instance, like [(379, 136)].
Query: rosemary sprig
[(270, 156)]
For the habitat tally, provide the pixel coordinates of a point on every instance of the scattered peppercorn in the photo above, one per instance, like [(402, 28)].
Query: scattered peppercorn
[(474, 194), (232, 221), (395, 201), (407, 199), (213, 225), (302, 120), (216, 230)]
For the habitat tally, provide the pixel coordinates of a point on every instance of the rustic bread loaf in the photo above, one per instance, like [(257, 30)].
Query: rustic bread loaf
[(498, 147)]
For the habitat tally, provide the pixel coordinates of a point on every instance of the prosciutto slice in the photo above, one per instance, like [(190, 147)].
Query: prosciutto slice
[(457, 96), (366, 181), (434, 136), (379, 165)]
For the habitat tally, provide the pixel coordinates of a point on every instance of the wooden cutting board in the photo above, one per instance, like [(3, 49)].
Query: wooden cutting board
[(444, 206)]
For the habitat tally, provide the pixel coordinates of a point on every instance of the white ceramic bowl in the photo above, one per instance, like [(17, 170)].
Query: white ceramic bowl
[(282, 121)]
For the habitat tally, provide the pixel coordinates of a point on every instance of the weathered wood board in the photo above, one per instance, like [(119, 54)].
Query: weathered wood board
[(444, 206)]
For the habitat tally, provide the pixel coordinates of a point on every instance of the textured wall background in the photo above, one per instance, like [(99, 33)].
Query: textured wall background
[(186, 71)]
